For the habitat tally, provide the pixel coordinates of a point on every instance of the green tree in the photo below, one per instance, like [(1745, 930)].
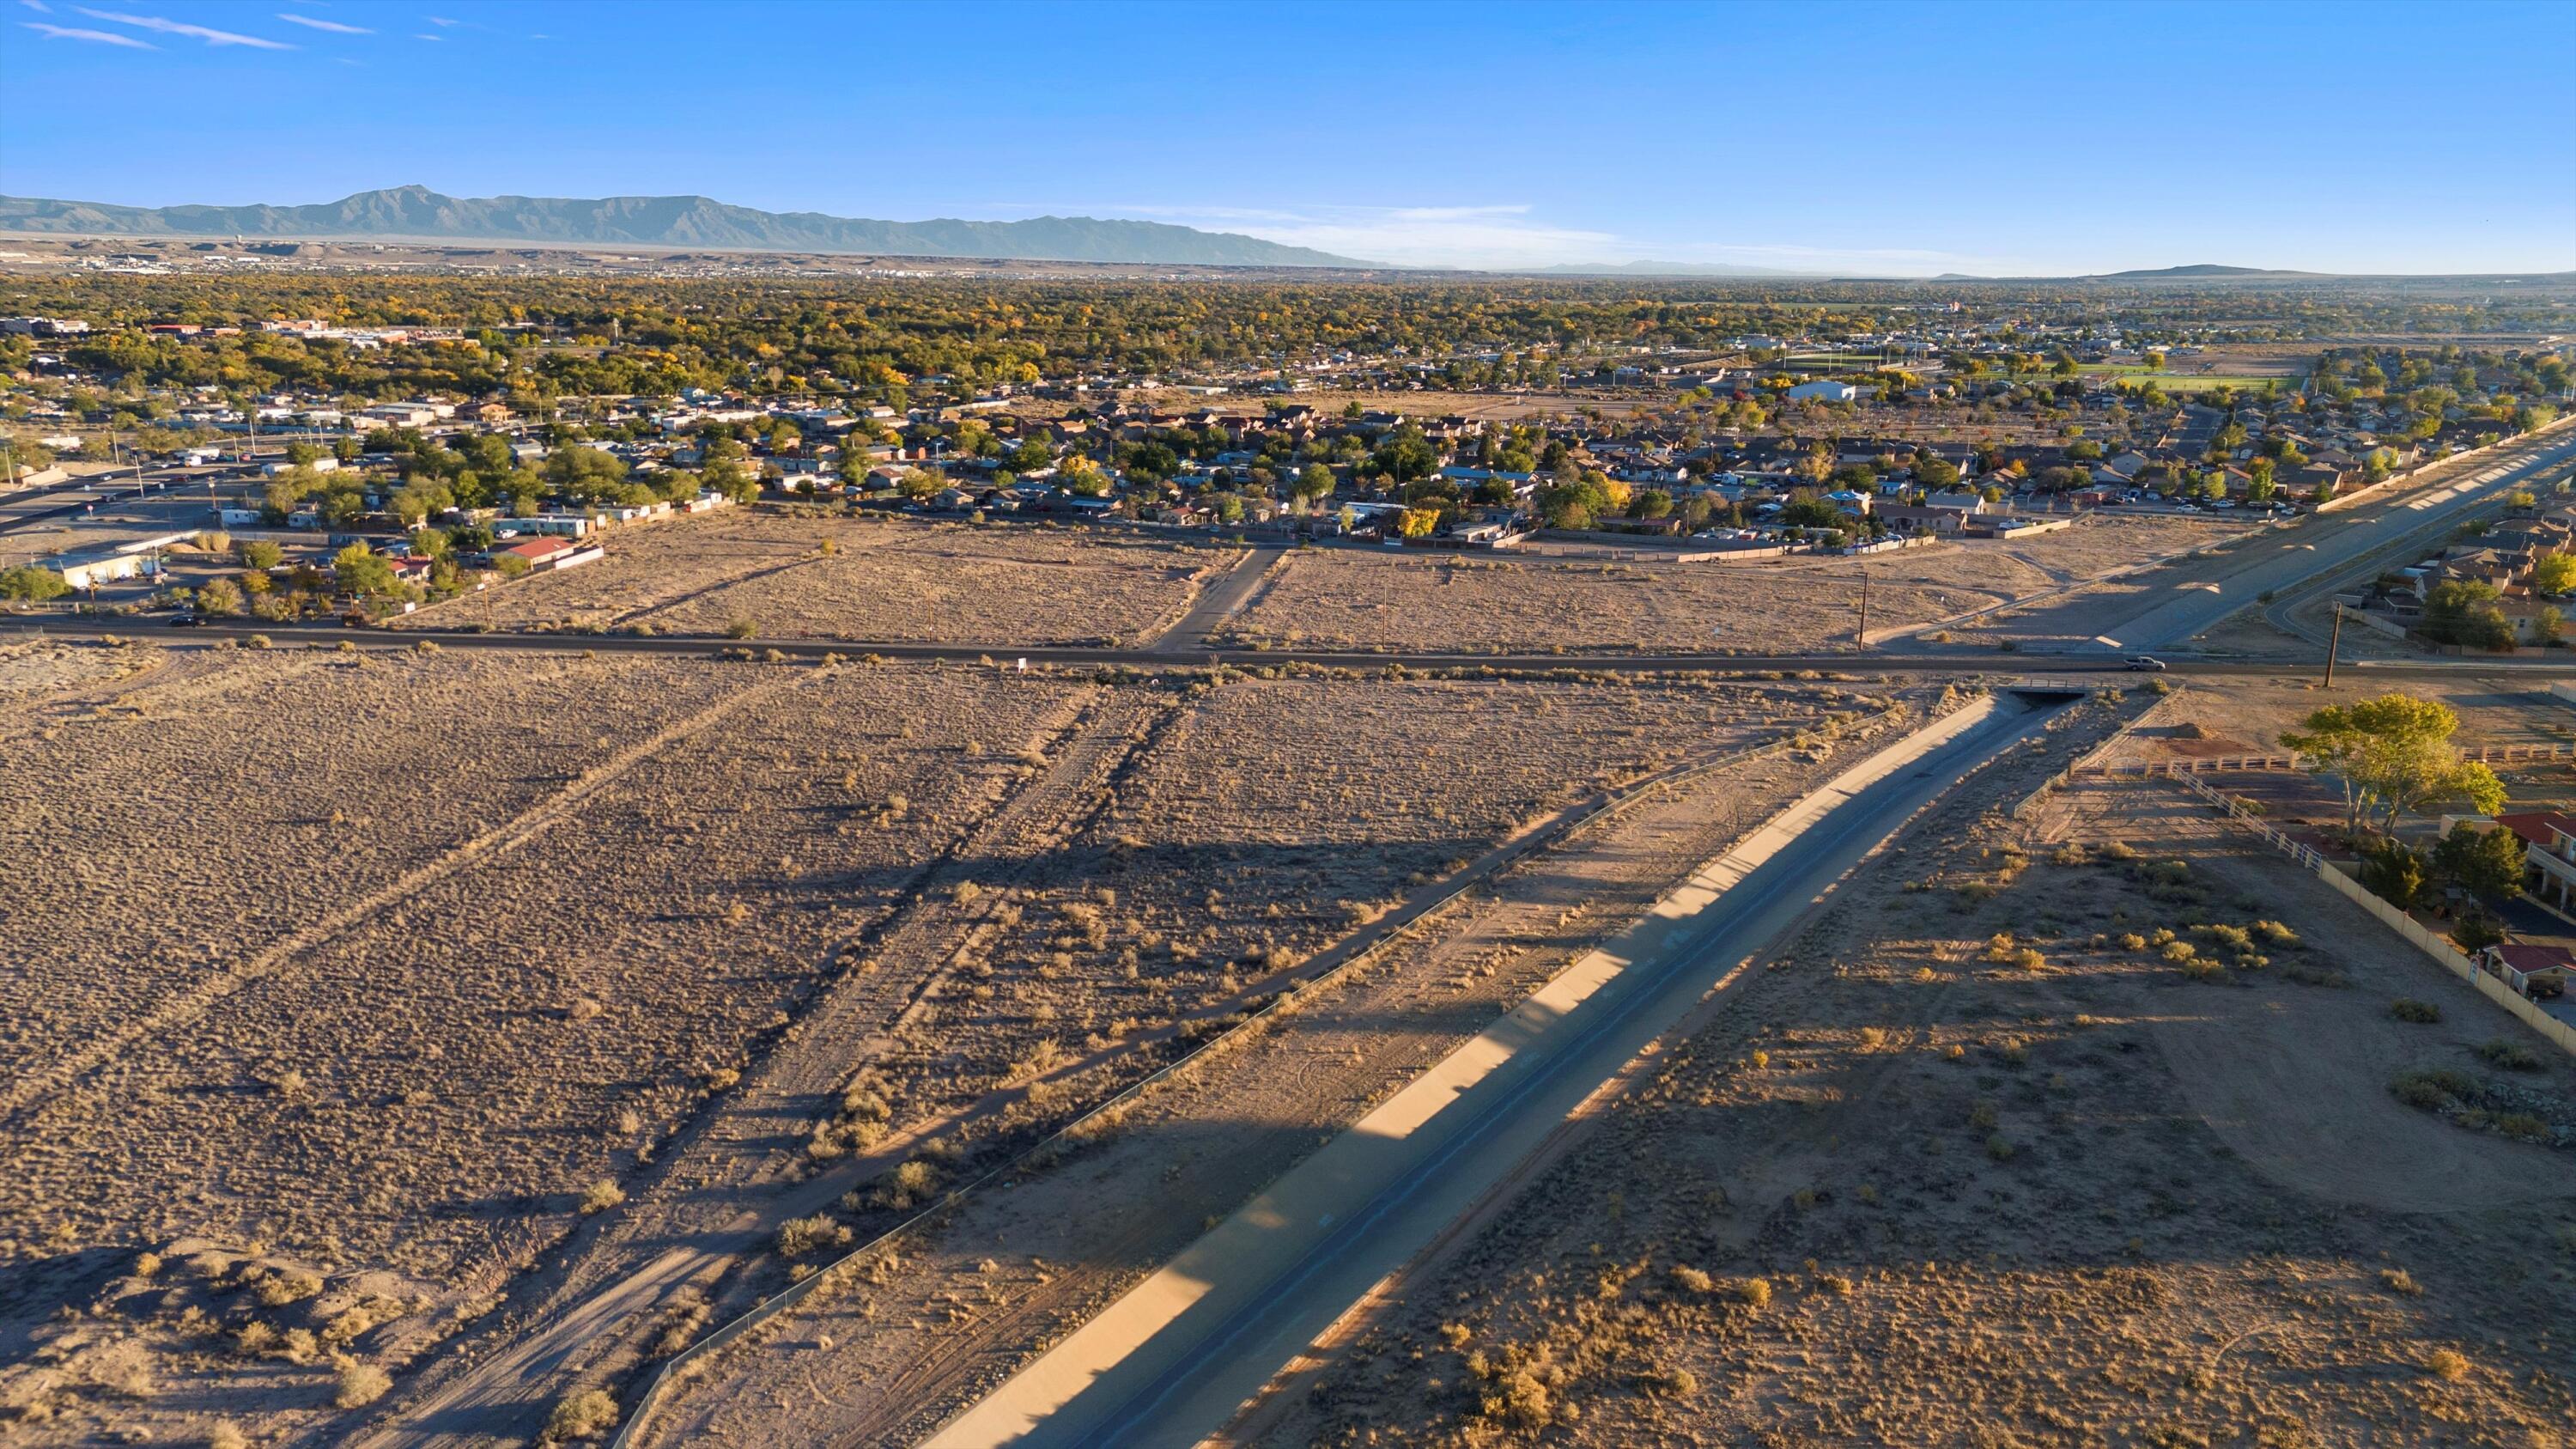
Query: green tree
[(2392, 871), (1314, 481), (259, 553), (220, 597), (2393, 754), (362, 571), (1082, 478), (2259, 480), (1406, 454), (2464, 611), (32, 582), (2485, 863), (2554, 574)]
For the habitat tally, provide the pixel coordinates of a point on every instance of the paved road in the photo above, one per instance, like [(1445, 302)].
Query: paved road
[(1171, 1361), (22, 511), (2328, 546), (1876, 662)]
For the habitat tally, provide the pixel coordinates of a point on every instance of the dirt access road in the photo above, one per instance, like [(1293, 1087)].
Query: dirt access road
[(720, 1195), (1172, 1359), (1219, 599)]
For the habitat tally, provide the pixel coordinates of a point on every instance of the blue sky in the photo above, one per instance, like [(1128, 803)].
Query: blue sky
[(1890, 139)]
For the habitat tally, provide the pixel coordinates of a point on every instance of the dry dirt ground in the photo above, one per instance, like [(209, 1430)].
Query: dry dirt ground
[(1347, 598), (343, 981), (1350, 599), (863, 579), (377, 960), (1914, 1186), (34, 670), (2248, 716), (920, 1332)]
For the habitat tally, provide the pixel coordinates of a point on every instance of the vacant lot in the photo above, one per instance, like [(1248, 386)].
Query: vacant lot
[(378, 961), (382, 968), (1344, 598), (2249, 716), (1347, 598), (860, 579), (33, 669), (1983, 1159), (1271, 817), (955, 1309)]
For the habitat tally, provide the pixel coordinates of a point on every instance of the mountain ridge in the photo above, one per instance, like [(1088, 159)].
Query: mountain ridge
[(416, 213)]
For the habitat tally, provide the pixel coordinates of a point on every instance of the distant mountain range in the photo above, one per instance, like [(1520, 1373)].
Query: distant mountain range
[(2196, 271), (416, 213)]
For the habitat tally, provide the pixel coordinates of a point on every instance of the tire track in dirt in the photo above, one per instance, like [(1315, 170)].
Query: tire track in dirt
[(18, 716), (1214, 601), (720, 1193), (24, 1095), (1479, 947), (664, 606)]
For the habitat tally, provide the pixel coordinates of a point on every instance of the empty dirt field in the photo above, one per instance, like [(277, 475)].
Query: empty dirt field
[(823, 576), (2248, 716), (915, 1334), (361, 1000), (1349, 598), (2114, 1135), (376, 961), (33, 669)]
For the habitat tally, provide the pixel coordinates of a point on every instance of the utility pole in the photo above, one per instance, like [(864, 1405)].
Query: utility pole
[(2333, 641), (1860, 641)]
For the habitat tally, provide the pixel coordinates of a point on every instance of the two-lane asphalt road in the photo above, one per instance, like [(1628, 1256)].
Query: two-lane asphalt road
[(1951, 662)]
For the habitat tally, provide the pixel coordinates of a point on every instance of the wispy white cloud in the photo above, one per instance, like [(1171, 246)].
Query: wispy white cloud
[(333, 26), (432, 38), (167, 26), (1418, 236), (1507, 237), (39, 6), (94, 37), (439, 20)]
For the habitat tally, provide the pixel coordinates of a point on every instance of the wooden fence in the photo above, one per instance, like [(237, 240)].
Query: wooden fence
[(2292, 760)]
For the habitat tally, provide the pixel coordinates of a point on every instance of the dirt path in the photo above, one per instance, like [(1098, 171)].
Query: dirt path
[(1219, 600), (43, 1083), (721, 1194), (1029, 1260)]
